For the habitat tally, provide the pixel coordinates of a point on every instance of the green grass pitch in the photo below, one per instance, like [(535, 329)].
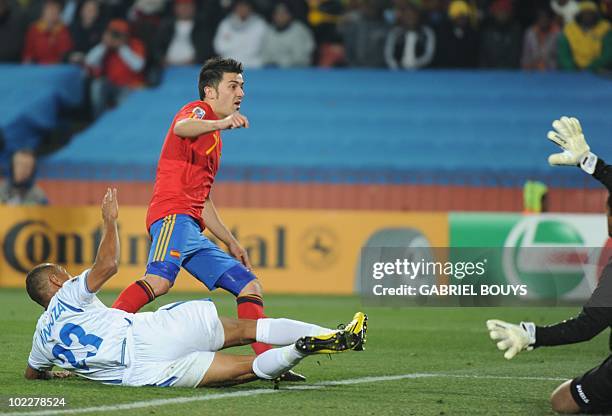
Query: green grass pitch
[(467, 375)]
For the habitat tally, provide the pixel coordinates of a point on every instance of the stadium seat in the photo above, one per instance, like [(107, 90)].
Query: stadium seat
[(356, 125), (31, 98)]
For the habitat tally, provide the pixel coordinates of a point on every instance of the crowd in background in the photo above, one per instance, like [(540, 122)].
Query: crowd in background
[(123, 45)]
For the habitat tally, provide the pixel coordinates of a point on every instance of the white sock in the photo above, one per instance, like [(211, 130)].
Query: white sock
[(286, 331), (276, 361)]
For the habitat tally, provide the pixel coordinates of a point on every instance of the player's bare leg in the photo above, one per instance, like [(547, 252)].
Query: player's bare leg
[(238, 331), (561, 399), (229, 370), (160, 285)]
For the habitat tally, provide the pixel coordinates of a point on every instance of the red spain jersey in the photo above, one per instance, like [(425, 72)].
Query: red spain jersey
[(186, 169)]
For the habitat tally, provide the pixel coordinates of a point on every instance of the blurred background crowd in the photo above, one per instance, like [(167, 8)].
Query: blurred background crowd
[(406, 34), (125, 45)]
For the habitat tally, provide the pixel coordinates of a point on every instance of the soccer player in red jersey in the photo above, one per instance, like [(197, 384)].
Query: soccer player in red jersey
[(181, 206)]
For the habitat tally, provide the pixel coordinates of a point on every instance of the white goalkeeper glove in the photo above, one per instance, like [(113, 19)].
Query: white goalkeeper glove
[(512, 338), (568, 135)]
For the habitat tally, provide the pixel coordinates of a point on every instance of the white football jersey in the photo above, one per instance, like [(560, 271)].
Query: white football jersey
[(79, 333)]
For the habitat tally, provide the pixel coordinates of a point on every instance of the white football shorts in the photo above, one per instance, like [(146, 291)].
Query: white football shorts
[(173, 346)]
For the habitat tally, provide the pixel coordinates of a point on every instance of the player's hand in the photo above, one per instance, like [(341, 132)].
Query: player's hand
[(240, 254), (234, 121), (512, 338), (568, 135), (110, 207), (60, 374)]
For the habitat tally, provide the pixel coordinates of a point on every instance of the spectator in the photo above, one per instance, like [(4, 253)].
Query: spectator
[(288, 42), (565, 9), (364, 33), (540, 43), (48, 40), (240, 35), (86, 31), (323, 17), (586, 43), (117, 64), (145, 17), (185, 39), (501, 38), (411, 44), (457, 39), (19, 188), (12, 26)]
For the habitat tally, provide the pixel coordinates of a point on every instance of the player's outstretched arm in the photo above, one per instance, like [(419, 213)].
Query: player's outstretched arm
[(107, 259), (215, 225), (595, 317), (194, 127), (567, 134)]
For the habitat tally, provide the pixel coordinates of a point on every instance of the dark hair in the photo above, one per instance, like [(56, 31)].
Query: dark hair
[(37, 283), (212, 72)]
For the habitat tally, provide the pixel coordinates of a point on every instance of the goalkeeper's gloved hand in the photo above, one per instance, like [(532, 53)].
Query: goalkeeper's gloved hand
[(568, 135), (512, 338)]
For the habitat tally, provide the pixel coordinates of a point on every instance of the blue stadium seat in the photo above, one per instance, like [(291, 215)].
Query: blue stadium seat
[(360, 125), (31, 98)]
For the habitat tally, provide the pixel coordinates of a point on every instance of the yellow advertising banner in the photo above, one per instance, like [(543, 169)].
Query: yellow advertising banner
[(292, 251)]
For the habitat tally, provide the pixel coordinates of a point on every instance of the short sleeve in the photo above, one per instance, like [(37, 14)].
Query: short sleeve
[(37, 359), (75, 291), (192, 110)]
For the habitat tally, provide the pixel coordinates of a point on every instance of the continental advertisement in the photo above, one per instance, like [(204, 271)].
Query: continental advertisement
[(311, 251), (292, 251)]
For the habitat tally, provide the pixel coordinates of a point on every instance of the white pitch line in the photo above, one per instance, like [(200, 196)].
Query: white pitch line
[(257, 392)]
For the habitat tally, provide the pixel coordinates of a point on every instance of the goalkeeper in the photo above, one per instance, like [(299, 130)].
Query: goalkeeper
[(592, 391)]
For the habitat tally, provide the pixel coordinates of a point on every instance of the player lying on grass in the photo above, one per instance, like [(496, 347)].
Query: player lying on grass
[(175, 346), (591, 392)]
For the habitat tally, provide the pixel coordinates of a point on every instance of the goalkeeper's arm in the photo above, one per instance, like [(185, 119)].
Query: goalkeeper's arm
[(594, 318), (568, 135), (603, 173), (597, 312)]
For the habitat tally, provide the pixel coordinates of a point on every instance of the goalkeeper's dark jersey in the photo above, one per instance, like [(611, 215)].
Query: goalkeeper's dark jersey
[(596, 314)]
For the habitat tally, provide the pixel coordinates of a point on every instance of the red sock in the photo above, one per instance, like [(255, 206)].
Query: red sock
[(134, 297), (251, 307)]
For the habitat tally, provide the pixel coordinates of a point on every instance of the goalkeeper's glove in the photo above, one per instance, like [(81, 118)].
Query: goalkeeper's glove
[(568, 135), (512, 338)]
